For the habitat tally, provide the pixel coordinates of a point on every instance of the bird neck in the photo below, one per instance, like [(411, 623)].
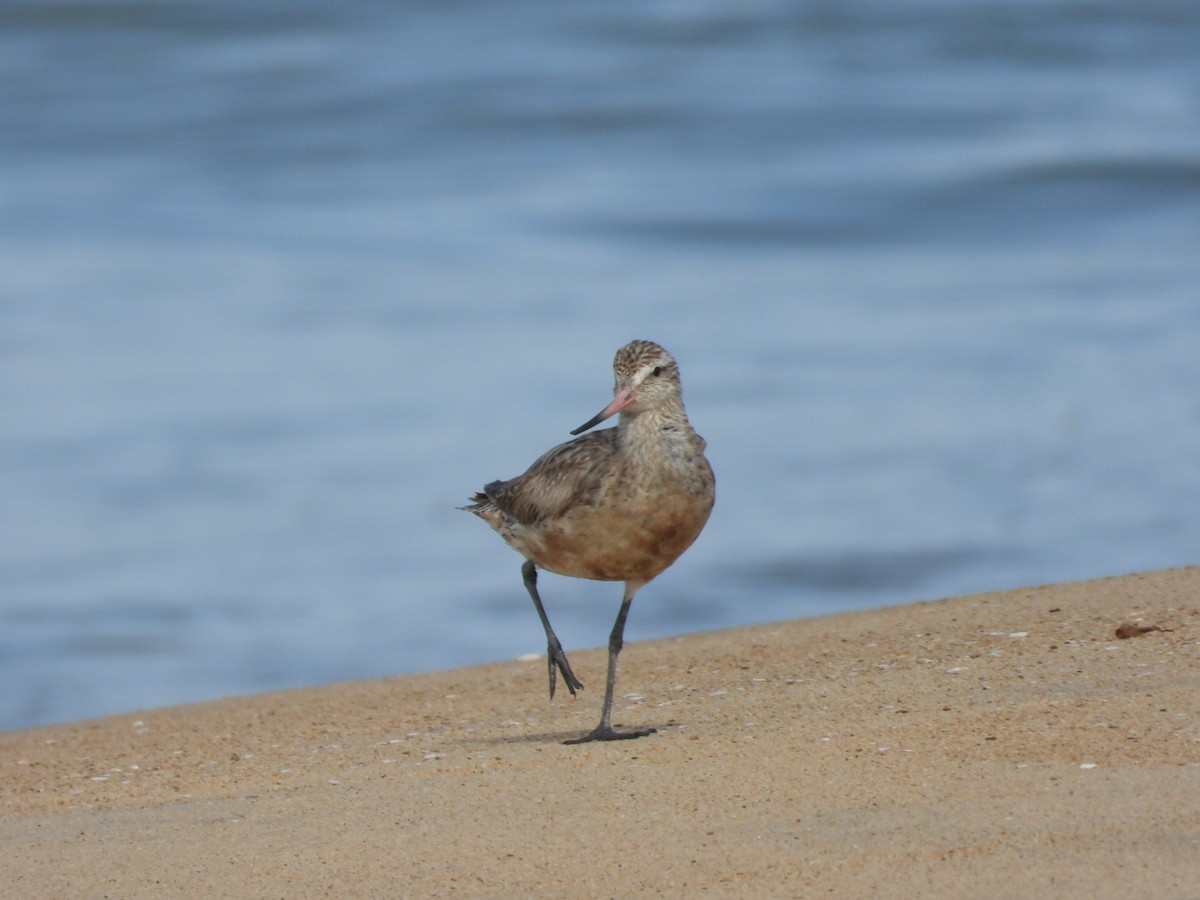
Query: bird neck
[(649, 433)]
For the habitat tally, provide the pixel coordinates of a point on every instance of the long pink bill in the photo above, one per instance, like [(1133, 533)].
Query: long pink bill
[(625, 397)]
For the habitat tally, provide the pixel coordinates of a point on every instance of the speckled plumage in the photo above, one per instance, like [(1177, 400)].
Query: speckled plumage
[(620, 504)]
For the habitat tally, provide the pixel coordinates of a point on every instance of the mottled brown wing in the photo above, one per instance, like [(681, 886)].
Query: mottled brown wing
[(559, 478)]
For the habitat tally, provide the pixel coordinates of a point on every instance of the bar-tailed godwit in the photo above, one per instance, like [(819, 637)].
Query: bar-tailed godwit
[(620, 504)]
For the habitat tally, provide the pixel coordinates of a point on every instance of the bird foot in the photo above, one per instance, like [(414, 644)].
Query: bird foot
[(604, 733), (557, 662)]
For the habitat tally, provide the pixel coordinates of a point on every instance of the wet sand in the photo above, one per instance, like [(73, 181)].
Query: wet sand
[(998, 745)]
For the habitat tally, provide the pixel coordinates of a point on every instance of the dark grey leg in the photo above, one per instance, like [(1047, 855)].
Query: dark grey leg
[(556, 659), (604, 731)]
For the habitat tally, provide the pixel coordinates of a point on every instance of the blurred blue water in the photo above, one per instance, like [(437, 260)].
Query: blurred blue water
[(284, 285)]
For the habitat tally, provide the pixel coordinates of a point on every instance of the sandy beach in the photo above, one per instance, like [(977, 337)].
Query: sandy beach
[(1031, 743)]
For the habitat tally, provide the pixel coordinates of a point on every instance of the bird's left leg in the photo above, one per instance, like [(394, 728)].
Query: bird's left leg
[(604, 731)]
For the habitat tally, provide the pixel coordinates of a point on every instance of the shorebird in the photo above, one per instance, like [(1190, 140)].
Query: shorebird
[(620, 504)]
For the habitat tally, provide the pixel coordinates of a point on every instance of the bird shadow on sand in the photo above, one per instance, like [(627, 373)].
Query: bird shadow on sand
[(557, 737)]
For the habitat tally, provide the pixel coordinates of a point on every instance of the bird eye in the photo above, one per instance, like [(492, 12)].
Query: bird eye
[(657, 370)]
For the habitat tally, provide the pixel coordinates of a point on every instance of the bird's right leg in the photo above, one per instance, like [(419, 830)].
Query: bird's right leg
[(557, 660)]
